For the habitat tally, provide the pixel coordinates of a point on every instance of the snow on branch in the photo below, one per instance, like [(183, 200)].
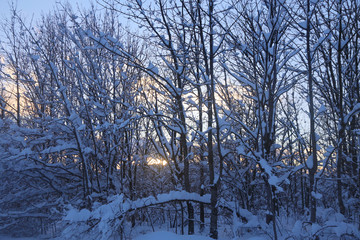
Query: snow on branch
[(120, 206), (354, 111), (104, 220), (169, 197)]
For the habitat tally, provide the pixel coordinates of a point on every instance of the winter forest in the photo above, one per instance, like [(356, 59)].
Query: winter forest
[(233, 119)]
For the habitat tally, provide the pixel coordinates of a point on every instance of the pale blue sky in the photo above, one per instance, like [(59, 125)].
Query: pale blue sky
[(33, 9), (30, 8)]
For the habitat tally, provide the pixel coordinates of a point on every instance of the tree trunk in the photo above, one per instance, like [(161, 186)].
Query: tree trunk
[(341, 136), (313, 156)]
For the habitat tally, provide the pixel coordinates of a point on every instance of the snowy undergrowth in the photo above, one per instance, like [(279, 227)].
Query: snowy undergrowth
[(330, 225), (112, 221)]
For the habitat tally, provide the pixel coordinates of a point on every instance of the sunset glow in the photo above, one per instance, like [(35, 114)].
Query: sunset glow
[(156, 161)]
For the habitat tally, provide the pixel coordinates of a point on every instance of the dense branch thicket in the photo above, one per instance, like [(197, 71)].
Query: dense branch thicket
[(255, 103)]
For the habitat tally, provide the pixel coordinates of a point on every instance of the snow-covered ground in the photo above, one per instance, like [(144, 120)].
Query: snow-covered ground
[(5, 237), (160, 235), (169, 235), (163, 235)]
